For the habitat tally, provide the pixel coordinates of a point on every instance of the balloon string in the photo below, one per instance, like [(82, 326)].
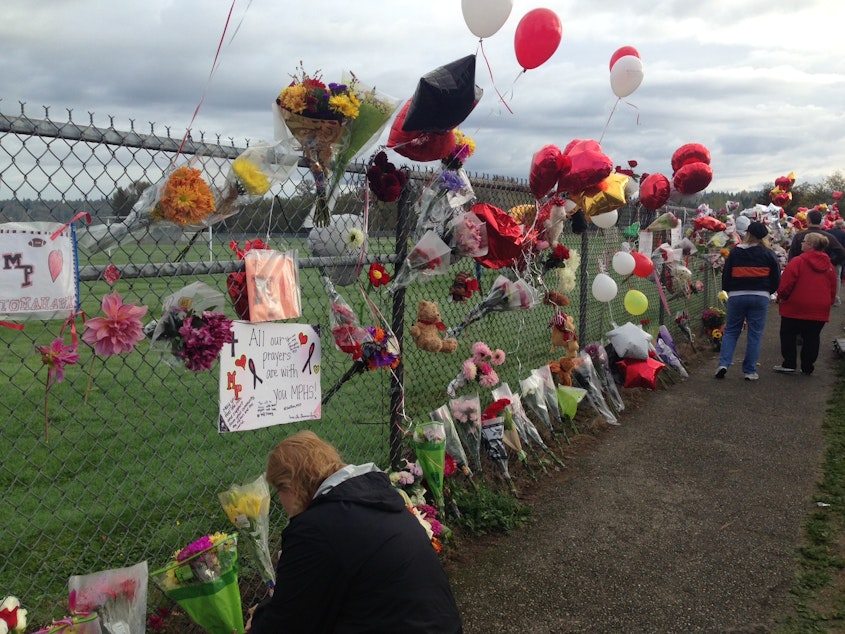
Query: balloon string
[(490, 70), (607, 123)]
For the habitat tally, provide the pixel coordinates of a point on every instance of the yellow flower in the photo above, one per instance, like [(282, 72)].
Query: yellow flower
[(251, 177), (348, 105), (467, 142), (248, 504), (293, 98), (523, 214)]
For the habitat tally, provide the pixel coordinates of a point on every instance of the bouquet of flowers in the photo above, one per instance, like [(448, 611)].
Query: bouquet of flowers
[(379, 349), (118, 596), (448, 191), (195, 339), (601, 363), (525, 426), (347, 332), (533, 397), (713, 320), (479, 367), (12, 616), (408, 481), (76, 624), (664, 348), (549, 393), (248, 508), (429, 441), (202, 577), (236, 281), (467, 412), (504, 295), (586, 376), (682, 319), (510, 434), (467, 235), (385, 180), (557, 258), (427, 516), (429, 257), (454, 447), (492, 434)]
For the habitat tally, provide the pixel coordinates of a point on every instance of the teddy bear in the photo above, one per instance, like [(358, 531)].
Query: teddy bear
[(562, 369), (556, 299), (563, 334), (426, 330)]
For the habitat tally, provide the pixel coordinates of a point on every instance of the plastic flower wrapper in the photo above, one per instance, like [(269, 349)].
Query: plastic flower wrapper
[(522, 296), (76, 624), (272, 284), (569, 397), (510, 434), (347, 332), (498, 299), (682, 319), (118, 596), (525, 426), (183, 198), (453, 442), (344, 241), (252, 174), (202, 578), (664, 348), (549, 393), (586, 376), (601, 363), (236, 280), (478, 368), (440, 200), (429, 442), (467, 235), (430, 256), (248, 508), (12, 616), (466, 411), (533, 396), (492, 435)]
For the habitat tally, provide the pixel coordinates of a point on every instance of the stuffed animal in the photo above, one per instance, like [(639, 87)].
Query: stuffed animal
[(426, 331), (563, 334), (463, 287), (554, 298), (562, 369)]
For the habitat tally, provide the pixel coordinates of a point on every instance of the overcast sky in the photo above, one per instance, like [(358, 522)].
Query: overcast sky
[(760, 83)]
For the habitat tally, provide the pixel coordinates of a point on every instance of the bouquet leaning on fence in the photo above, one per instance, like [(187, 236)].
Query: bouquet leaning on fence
[(504, 295), (118, 596), (248, 508), (202, 578)]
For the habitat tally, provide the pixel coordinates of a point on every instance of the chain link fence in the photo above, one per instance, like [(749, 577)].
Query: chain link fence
[(134, 462)]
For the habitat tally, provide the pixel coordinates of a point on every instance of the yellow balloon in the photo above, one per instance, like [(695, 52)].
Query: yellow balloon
[(636, 302)]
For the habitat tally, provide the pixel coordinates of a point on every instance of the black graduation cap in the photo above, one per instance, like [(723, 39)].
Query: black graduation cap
[(443, 98)]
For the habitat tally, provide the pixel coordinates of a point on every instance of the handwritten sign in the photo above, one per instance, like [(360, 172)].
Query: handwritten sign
[(37, 271), (269, 375)]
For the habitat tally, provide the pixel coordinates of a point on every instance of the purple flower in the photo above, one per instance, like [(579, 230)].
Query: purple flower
[(450, 181)]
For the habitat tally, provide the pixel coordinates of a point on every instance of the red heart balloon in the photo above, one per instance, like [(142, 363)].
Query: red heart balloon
[(708, 222), (690, 153), (654, 191), (419, 146), (692, 178), (588, 166), (504, 236), (545, 170)]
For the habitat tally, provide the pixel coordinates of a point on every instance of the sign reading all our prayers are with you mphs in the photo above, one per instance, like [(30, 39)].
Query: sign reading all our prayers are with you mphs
[(269, 375)]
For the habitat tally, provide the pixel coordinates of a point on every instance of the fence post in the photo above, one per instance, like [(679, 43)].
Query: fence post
[(397, 395)]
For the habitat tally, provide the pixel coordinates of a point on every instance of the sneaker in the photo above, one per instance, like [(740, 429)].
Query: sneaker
[(783, 370), (720, 372), (753, 376)]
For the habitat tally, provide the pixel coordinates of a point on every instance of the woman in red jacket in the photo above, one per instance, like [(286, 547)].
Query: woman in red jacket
[(807, 291)]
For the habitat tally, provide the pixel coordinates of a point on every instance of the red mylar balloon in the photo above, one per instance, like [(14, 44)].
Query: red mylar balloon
[(545, 170), (692, 178), (537, 37), (419, 146), (622, 52), (654, 191), (588, 166), (708, 222), (643, 266), (640, 373), (784, 182), (504, 236), (837, 195), (690, 153)]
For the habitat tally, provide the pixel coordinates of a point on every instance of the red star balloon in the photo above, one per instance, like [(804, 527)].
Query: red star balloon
[(640, 373)]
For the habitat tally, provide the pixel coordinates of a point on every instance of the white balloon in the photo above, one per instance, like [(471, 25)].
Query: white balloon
[(485, 17), (605, 220), (626, 75), (604, 288), (623, 263)]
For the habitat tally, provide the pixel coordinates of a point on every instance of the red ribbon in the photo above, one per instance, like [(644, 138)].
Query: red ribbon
[(437, 324)]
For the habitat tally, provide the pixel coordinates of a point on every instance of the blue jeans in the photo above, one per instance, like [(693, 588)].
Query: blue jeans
[(752, 310)]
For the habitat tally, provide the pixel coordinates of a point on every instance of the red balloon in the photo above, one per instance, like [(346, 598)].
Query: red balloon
[(654, 191), (708, 222), (643, 266), (692, 178), (419, 146), (640, 373), (622, 52), (504, 236), (690, 153), (537, 37), (545, 170), (837, 195), (588, 166)]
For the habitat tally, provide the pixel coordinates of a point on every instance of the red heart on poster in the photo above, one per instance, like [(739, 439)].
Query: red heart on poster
[(55, 262), (241, 362), (303, 338)]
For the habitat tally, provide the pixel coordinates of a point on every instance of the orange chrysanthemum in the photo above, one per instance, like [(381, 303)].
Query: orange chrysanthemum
[(187, 198)]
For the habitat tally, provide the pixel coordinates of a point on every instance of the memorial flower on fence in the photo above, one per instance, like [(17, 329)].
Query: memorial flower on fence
[(186, 199), (248, 508), (55, 356)]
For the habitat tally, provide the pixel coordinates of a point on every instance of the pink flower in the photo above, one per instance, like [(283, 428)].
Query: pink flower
[(202, 339), (56, 356), (497, 357), (480, 350), (111, 274), (470, 370), (119, 331), (488, 379)]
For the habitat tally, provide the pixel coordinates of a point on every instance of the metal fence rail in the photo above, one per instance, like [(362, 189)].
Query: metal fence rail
[(134, 462)]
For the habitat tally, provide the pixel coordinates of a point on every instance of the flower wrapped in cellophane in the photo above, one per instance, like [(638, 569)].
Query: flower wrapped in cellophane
[(430, 256), (446, 193), (601, 363), (492, 435), (454, 447), (202, 578), (248, 508), (478, 368), (76, 624), (467, 235), (528, 432), (118, 596), (510, 433), (252, 174), (331, 123), (503, 295), (587, 377), (346, 330), (12, 616), (467, 412), (183, 198), (429, 442)]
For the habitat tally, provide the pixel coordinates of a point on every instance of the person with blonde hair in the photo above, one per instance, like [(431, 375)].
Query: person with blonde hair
[(354, 558), (807, 291)]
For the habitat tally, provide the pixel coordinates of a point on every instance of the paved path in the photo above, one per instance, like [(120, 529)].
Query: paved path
[(683, 519)]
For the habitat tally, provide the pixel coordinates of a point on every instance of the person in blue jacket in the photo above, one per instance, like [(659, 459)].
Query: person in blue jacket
[(354, 558), (750, 275)]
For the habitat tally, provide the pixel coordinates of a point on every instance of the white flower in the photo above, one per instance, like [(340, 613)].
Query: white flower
[(12, 603), (354, 238)]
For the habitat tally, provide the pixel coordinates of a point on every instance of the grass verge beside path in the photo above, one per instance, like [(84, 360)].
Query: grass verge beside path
[(819, 591)]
